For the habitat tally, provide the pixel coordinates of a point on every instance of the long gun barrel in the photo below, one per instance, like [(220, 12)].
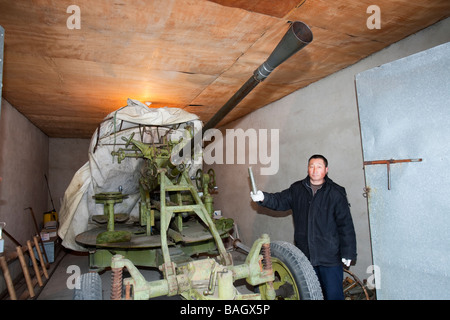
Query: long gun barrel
[(297, 37)]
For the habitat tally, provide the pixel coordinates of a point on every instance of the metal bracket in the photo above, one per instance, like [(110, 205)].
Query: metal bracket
[(388, 163)]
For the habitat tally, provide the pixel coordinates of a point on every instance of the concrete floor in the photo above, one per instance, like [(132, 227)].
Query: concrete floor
[(62, 270)]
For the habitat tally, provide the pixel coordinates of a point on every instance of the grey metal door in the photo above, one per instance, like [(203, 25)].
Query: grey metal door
[(404, 111)]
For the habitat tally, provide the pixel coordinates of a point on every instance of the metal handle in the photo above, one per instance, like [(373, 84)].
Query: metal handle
[(252, 180)]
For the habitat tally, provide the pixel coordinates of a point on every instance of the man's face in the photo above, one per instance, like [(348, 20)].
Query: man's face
[(317, 171)]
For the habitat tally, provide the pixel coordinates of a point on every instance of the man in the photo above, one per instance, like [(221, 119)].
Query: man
[(323, 225)]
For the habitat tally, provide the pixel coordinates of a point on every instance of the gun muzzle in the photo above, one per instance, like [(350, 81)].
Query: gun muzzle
[(297, 37)]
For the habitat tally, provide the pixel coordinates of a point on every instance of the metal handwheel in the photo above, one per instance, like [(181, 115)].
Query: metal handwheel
[(354, 289)]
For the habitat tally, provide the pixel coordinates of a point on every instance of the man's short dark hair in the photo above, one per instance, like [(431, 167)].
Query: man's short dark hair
[(319, 156)]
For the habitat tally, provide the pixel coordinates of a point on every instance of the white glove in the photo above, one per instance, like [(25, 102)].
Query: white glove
[(259, 196), (346, 262)]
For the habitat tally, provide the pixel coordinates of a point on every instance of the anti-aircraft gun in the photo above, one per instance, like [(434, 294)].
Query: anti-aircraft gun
[(176, 218)]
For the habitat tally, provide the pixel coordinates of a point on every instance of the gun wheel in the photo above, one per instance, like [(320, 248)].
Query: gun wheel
[(295, 278)]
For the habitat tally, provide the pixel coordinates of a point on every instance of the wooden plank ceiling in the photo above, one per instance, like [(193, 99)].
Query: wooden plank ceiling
[(190, 54)]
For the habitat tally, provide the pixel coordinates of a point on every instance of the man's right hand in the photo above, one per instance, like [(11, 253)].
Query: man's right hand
[(259, 196)]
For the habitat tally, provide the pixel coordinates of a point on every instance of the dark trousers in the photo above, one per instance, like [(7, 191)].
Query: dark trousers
[(331, 279)]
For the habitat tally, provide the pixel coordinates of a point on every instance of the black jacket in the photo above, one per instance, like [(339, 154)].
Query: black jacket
[(323, 225)]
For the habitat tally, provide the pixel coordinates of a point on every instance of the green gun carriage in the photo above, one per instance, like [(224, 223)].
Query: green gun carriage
[(173, 226)]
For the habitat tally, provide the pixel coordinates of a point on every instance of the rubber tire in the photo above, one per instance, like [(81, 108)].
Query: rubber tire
[(90, 287), (301, 269)]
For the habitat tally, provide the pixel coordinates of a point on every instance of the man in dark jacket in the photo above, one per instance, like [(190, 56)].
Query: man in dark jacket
[(323, 225)]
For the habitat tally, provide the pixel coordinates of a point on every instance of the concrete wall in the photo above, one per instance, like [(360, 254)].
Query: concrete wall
[(23, 164), (321, 118), (66, 156), (26, 156)]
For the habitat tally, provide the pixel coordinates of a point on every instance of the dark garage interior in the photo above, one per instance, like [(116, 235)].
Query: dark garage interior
[(363, 83)]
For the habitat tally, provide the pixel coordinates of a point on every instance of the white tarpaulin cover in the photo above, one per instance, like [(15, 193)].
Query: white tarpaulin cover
[(103, 173)]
